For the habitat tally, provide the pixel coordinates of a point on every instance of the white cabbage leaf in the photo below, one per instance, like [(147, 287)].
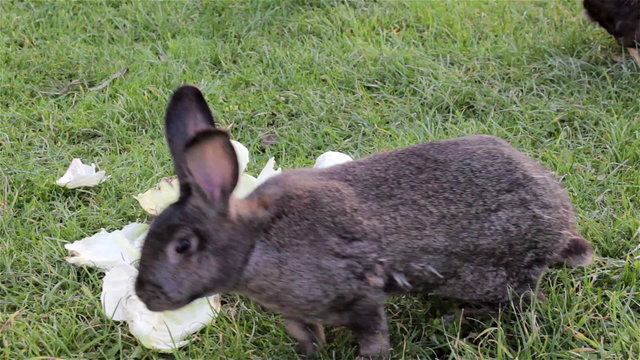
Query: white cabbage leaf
[(79, 174), (108, 249), (163, 330), (159, 197), (268, 171), (331, 158)]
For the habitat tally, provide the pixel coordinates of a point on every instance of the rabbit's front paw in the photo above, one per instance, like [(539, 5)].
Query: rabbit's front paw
[(369, 324), (310, 336)]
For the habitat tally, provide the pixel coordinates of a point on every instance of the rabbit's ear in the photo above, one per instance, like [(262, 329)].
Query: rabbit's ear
[(187, 115), (213, 167)]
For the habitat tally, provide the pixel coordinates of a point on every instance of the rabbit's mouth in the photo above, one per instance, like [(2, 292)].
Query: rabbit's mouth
[(156, 299), (159, 304)]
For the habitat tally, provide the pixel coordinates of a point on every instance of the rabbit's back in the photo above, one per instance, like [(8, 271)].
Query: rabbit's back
[(472, 188), (464, 216)]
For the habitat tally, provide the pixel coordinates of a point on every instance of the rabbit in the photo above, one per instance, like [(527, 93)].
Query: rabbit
[(468, 218)]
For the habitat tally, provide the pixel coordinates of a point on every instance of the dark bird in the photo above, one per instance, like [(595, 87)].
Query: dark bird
[(621, 18)]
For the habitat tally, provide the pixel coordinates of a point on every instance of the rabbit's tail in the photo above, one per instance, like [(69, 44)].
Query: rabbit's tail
[(577, 251)]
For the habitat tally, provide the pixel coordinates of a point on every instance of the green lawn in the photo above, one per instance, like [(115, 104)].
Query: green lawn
[(356, 76)]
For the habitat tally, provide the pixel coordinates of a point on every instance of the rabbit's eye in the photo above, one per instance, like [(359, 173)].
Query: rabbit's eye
[(183, 245)]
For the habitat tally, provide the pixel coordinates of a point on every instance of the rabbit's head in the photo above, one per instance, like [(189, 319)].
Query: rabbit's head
[(196, 246)]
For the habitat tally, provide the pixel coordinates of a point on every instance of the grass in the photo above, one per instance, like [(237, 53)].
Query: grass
[(356, 76)]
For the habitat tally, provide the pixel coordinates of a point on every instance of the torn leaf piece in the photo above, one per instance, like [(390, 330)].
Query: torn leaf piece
[(242, 153), (331, 158), (80, 174), (244, 187), (158, 198), (108, 249), (156, 330), (247, 183), (268, 171)]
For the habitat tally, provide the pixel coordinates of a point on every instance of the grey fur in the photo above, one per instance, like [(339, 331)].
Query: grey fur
[(467, 218)]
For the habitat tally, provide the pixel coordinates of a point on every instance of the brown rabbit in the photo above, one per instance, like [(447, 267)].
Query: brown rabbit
[(466, 218)]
